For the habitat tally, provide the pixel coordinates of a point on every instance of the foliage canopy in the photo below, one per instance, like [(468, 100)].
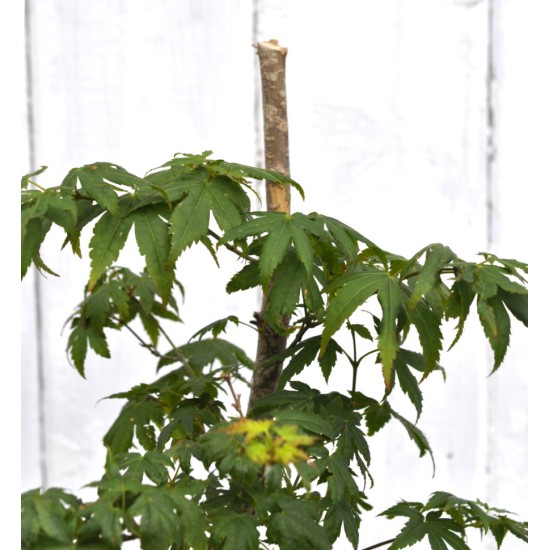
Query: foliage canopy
[(182, 471)]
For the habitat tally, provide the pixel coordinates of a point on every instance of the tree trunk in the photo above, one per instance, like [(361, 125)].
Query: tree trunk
[(272, 69)]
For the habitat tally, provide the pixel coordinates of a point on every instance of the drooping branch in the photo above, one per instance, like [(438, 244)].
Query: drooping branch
[(272, 69)]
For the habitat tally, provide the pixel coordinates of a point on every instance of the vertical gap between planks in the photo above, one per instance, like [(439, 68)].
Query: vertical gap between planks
[(490, 123), (37, 287), (490, 214), (258, 115)]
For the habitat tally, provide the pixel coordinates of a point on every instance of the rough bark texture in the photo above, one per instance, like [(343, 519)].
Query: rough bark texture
[(272, 69)]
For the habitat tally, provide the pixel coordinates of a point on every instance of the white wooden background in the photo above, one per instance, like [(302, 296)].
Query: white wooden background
[(401, 120)]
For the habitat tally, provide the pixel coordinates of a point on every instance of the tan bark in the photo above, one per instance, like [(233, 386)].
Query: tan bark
[(272, 69)]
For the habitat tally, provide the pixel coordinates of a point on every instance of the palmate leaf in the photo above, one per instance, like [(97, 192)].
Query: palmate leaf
[(305, 355), (428, 327), (154, 464), (496, 325), (134, 418), (297, 526), (308, 421), (489, 278), (110, 234), (238, 172), (192, 520), (204, 352), (275, 247), (95, 187), (416, 435), (159, 524), (348, 291), (27, 177), (437, 256), (234, 531), (84, 335), (390, 297), (216, 327), (281, 229), (153, 240), (441, 532), (49, 514), (467, 510), (351, 292), (408, 382), (284, 292), (36, 231), (341, 484), (517, 304), (247, 277), (458, 306), (107, 518), (377, 415), (190, 219), (341, 513)]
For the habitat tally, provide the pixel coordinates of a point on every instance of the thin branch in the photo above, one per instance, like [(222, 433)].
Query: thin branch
[(150, 347), (37, 185), (236, 398), (232, 248), (379, 544), (181, 357)]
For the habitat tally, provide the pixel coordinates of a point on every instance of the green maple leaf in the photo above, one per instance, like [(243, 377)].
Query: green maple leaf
[(34, 235), (159, 523), (297, 526), (416, 435), (308, 421), (110, 234), (351, 292), (441, 532), (153, 240), (239, 172), (496, 325), (437, 257), (233, 531), (83, 335), (205, 194), (93, 184), (377, 415), (302, 357), (284, 292), (134, 418), (281, 229), (204, 352), (342, 513), (247, 277), (108, 518), (50, 513), (404, 362), (192, 519), (27, 177), (153, 464)]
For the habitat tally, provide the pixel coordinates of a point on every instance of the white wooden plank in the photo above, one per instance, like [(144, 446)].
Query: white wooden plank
[(387, 131), (514, 79), (19, 365), (132, 82)]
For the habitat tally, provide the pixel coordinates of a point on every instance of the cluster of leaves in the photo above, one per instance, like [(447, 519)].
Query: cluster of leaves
[(444, 519), (181, 472)]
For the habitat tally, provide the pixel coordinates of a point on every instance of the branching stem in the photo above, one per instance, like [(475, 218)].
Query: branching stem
[(37, 185), (236, 398), (379, 544), (232, 248)]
